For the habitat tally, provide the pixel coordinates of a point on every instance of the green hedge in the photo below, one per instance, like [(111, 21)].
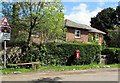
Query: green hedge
[(63, 53), (113, 55), (60, 54)]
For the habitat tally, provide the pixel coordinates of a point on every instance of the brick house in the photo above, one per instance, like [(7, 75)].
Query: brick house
[(77, 33), (82, 33)]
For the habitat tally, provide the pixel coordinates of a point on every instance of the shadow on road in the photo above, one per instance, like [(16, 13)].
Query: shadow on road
[(48, 80)]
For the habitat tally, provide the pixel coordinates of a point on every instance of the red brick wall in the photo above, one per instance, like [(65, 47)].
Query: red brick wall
[(70, 36), (100, 37), (36, 39)]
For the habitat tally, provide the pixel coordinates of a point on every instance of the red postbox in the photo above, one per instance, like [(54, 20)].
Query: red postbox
[(77, 53)]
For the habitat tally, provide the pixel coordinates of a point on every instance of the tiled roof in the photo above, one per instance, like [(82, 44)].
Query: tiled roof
[(69, 23)]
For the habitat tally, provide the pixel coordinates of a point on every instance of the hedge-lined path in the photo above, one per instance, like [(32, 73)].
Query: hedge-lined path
[(106, 74)]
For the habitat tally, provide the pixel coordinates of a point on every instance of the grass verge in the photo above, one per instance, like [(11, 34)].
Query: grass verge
[(58, 68), (12, 70), (77, 67)]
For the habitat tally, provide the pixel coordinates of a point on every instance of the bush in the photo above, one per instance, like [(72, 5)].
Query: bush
[(113, 55), (63, 53), (30, 54), (114, 38)]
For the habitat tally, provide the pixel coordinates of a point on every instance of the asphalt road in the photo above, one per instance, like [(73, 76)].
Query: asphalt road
[(76, 75), (95, 76)]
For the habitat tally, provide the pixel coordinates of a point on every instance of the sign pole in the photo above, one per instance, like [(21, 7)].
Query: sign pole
[(4, 53), (6, 30)]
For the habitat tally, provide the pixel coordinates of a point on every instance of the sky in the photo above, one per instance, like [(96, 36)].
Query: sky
[(81, 12)]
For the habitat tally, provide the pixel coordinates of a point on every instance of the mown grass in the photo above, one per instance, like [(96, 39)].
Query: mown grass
[(77, 67), (12, 70), (57, 68)]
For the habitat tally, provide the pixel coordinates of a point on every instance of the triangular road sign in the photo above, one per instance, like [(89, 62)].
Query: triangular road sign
[(5, 22)]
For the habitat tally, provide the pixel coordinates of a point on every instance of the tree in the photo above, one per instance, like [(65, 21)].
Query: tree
[(104, 20), (52, 24), (118, 14), (11, 11), (107, 21), (43, 18), (114, 38)]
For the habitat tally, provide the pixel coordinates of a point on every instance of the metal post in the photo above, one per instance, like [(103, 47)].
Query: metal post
[(4, 53)]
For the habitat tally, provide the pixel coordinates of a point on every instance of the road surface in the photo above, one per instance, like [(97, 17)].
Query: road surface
[(75, 75), (94, 76)]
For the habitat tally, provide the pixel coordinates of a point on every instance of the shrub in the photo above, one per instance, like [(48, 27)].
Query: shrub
[(30, 54), (61, 54), (113, 55), (64, 53)]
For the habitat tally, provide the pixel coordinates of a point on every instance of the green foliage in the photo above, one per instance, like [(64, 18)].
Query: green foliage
[(48, 56), (11, 11), (118, 14), (56, 68), (44, 19), (30, 54), (39, 53), (89, 37), (113, 55), (113, 48), (94, 40), (44, 57), (114, 38), (108, 20), (65, 52), (10, 70), (104, 45), (104, 20)]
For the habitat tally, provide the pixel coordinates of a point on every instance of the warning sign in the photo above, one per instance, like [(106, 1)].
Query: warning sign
[(5, 30), (5, 22)]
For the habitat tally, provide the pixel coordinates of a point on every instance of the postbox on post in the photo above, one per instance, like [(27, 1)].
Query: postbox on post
[(77, 53)]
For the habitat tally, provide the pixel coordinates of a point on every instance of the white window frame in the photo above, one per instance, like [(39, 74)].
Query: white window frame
[(35, 35), (76, 32), (98, 36)]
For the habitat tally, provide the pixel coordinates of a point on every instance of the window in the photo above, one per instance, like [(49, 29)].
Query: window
[(77, 33), (35, 35), (97, 37)]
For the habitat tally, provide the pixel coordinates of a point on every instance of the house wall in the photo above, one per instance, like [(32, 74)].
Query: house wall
[(36, 39), (70, 36), (100, 37)]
